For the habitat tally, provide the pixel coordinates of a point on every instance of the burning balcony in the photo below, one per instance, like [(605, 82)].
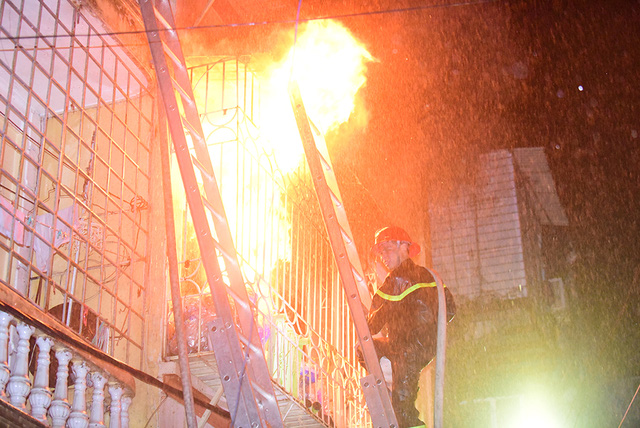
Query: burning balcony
[(301, 312)]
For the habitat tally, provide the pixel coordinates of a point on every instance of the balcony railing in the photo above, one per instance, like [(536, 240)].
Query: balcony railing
[(301, 313), (44, 373)]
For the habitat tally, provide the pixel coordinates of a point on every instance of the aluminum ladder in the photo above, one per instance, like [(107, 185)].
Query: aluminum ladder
[(238, 351), (346, 256)]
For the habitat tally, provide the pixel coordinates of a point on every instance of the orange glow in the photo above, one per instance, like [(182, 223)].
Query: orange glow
[(329, 66)]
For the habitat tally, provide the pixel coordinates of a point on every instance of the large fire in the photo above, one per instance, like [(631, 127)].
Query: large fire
[(329, 65)]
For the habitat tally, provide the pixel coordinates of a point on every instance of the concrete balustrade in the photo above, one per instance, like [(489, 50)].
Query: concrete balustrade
[(31, 393)]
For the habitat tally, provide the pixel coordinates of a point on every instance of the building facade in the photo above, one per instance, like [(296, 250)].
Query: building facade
[(83, 283), (492, 241)]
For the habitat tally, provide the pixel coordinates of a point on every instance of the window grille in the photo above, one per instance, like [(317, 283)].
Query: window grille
[(75, 120)]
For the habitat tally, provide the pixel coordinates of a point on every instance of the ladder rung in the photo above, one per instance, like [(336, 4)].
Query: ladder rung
[(336, 201), (204, 170), (175, 61), (346, 237), (251, 348), (160, 19), (184, 96), (239, 301), (210, 208), (356, 274), (325, 163), (228, 258)]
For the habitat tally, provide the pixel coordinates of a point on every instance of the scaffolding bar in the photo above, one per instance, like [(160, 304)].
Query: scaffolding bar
[(176, 298)]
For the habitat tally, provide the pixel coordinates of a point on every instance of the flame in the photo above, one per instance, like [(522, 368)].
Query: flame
[(329, 65)]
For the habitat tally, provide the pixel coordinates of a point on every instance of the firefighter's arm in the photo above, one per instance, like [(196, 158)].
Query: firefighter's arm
[(376, 319)]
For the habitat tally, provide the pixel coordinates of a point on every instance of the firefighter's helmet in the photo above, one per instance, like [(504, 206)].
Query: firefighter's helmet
[(394, 233)]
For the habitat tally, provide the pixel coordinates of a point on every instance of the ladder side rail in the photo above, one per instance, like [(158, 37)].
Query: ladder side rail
[(258, 368), (233, 367), (341, 216), (378, 401)]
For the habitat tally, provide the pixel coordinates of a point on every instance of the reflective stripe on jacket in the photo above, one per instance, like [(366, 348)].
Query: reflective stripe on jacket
[(405, 293)]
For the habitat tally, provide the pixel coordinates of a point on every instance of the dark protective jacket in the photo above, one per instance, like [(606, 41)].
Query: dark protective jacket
[(407, 304)]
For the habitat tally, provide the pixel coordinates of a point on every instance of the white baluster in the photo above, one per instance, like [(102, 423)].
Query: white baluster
[(116, 391), (124, 414), (60, 408), (40, 397), (78, 417), (96, 419), (19, 383), (5, 320)]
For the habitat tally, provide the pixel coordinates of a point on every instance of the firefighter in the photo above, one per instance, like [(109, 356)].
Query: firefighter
[(406, 307)]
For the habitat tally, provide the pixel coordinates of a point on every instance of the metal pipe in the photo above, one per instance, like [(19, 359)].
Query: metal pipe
[(441, 344), (176, 297)]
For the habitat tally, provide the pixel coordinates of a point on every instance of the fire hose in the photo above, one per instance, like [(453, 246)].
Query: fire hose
[(441, 344)]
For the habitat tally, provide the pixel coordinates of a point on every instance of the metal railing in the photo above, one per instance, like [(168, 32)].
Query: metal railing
[(75, 123), (283, 250)]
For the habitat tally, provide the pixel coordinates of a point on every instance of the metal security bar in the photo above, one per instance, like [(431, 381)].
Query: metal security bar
[(75, 123), (239, 355), (283, 251)]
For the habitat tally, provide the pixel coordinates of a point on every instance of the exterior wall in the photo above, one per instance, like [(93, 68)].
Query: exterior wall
[(476, 235)]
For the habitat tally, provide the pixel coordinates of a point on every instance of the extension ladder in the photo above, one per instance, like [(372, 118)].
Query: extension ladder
[(238, 351), (346, 256)]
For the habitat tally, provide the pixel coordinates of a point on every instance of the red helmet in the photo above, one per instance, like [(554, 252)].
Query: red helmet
[(394, 233)]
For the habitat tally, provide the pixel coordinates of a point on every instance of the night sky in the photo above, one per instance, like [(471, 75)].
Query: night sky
[(452, 82)]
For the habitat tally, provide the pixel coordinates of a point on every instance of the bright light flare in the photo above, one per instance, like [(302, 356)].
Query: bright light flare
[(329, 65), (535, 413)]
